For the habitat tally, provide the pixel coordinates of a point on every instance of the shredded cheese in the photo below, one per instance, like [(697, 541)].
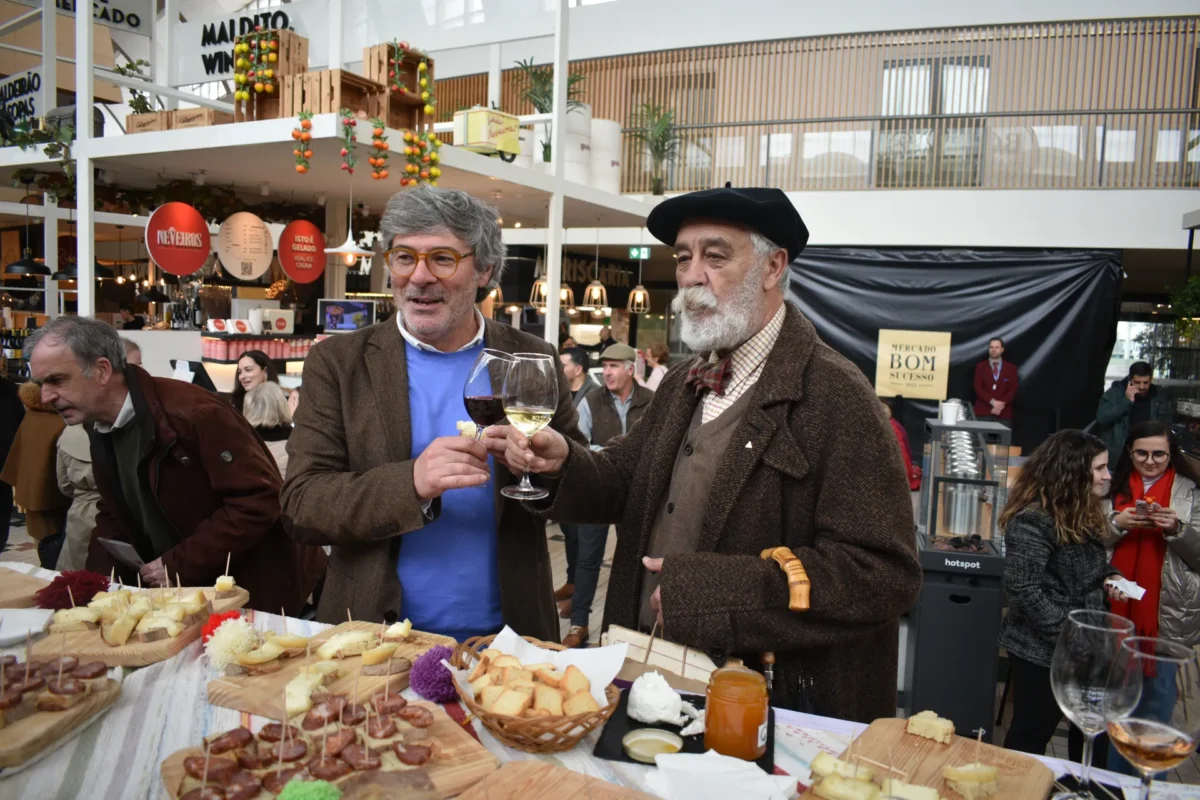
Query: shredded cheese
[(231, 639)]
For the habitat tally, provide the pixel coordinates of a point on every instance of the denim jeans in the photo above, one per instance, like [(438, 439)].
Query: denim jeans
[(585, 553), (1157, 703)]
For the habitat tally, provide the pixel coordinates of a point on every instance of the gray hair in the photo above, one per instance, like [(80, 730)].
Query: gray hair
[(429, 209), (764, 248), (266, 406), (131, 346), (89, 339)]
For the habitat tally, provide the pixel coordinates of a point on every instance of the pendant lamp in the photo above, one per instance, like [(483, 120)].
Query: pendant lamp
[(541, 289), (68, 271), (595, 296), (25, 265), (153, 295), (639, 298), (496, 295), (349, 249)]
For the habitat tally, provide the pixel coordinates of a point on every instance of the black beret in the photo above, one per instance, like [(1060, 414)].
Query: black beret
[(767, 211)]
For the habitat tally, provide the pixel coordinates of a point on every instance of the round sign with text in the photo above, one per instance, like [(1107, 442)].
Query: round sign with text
[(177, 238), (244, 246), (302, 251)]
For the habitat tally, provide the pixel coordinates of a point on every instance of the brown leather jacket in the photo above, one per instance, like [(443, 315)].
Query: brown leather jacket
[(217, 484)]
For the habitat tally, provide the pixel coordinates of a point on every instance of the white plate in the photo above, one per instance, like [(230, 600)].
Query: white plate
[(17, 623)]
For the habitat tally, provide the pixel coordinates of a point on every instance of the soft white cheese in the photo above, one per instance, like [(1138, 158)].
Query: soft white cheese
[(651, 700)]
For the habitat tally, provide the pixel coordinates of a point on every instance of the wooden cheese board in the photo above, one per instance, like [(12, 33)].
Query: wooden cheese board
[(26, 738), (460, 760), (885, 741), (88, 646), (537, 780), (17, 589), (263, 694)]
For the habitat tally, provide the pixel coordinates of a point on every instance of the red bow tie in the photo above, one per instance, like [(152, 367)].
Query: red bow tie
[(710, 376)]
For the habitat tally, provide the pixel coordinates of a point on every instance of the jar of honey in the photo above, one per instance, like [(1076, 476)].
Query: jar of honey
[(735, 717)]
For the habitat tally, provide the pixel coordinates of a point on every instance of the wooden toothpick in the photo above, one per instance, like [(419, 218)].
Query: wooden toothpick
[(349, 619), (978, 745), (139, 580), (71, 596), (282, 613), (207, 751), (307, 655), (112, 577), (650, 644), (228, 557)]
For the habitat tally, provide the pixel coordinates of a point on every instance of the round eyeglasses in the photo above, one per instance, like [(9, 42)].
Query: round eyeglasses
[(441, 261)]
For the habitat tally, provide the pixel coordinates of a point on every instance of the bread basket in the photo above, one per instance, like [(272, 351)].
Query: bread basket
[(537, 735)]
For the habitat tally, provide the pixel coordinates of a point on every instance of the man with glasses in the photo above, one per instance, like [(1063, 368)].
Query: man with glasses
[(1126, 403), (376, 469)]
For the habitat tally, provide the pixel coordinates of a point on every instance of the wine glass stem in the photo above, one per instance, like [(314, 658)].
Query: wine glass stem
[(1085, 771), (1146, 778), (526, 486)]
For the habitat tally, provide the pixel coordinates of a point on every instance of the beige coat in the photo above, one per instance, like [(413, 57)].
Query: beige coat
[(75, 480), (279, 451)]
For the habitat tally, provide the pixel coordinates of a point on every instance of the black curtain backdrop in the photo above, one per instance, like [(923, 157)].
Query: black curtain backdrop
[(1055, 309)]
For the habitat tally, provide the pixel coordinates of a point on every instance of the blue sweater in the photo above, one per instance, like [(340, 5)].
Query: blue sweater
[(447, 569)]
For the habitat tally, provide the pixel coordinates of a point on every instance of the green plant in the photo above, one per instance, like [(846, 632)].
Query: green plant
[(654, 127), (139, 102), (538, 89), (1185, 304)]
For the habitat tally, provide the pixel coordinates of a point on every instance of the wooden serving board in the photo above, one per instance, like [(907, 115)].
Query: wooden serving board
[(885, 741), (88, 646), (537, 780), (17, 589), (263, 694), (23, 740), (460, 760)]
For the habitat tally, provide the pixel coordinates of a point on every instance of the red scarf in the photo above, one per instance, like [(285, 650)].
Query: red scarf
[(1140, 554)]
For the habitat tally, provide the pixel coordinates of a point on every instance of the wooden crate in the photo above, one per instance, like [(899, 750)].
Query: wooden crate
[(292, 52), (292, 59), (330, 90), (405, 111), (143, 123), (198, 118)]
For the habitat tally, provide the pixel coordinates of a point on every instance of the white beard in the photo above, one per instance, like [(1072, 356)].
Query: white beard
[(732, 322)]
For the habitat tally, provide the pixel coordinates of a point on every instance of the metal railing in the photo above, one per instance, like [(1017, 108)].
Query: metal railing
[(1142, 149)]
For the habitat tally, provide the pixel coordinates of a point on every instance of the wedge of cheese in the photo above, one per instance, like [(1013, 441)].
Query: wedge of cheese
[(117, 632), (81, 618), (929, 725), (269, 651), (398, 631), (899, 790), (298, 692), (225, 587), (152, 628), (343, 645), (972, 781), (379, 655), (328, 670), (837, 787), (288, 641), (826, 765)]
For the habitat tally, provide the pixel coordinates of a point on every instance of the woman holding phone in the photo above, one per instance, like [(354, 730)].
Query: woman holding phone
[(1154, 533)]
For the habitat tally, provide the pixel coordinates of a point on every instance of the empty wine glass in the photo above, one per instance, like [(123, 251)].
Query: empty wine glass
[(530, 397), (1081, 676), (483, 392), (1155, 718)]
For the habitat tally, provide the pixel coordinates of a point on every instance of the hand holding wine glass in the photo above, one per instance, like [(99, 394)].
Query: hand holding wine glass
[(1153, 720), (530, 398), (483, 392)]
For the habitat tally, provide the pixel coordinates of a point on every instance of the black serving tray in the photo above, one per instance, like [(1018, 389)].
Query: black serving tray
[(620, 723)]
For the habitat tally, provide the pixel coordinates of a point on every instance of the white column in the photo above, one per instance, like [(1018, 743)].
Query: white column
[(85, 187), (494, 77), (50, 248), (165, 72), (49, 93), (335, 232), (335, 36), (558, 143)]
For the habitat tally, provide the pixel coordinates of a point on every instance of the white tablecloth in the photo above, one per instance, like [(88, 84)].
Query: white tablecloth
[(163, 708)]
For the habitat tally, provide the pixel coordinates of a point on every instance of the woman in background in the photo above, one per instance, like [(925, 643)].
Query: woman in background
[(31, 469), (253, 368), (657, 356), (1157, 546), (1056, 563), (266, 409)]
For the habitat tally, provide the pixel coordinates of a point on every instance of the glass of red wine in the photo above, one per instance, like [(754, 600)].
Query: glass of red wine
[(483, 393)]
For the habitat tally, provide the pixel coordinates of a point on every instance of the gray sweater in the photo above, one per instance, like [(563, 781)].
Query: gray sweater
[(1044, 582)]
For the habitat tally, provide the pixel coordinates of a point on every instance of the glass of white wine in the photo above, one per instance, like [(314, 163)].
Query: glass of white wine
[(530, 397), (1159, 694)]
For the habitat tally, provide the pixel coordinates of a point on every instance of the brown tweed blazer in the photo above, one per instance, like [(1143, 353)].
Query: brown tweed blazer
[(812, 466), (350, 481)]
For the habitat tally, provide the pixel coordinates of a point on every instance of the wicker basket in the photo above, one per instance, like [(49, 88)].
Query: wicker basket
[(539, 735)]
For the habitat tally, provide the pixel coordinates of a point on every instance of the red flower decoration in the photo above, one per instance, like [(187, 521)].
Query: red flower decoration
[(214, 622)]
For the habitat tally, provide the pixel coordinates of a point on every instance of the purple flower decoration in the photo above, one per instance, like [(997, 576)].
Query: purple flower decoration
[(430, 679)]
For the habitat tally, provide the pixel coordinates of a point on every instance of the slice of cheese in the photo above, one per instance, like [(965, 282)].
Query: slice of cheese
[(379, 655), (349, 643), (78, 614), (224, 584), (837, 787), (288, 641), (298, 693), (323, 668), (825, 765), (899, 790), (151, 623), (929, 725), (398, 630), (269, 651), (117, 633)]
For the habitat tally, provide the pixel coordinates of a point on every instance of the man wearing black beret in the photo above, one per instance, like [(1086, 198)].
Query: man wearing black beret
[(762, 463)]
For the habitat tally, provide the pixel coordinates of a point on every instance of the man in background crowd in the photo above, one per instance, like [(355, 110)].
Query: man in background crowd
[(1126, 403), (376, 467), (995, 384), (12, 411), (133, 352), (182, 477), (606, 340), (575, 367), (604, 416), (131, 321)]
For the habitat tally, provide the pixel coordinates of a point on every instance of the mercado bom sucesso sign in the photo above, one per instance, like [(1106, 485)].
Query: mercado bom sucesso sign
[(302, 251), (912, 364), (178, 239), (136, 16)]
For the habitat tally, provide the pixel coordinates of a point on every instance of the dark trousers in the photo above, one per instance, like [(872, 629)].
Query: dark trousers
[(6, 509), (1036, 715), (585, 553)]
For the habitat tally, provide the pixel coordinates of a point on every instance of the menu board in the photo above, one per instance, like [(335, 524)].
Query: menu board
[(302, 251), (244, 246)]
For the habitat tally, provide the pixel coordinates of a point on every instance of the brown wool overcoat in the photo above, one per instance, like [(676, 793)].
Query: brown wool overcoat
[(350, 481), (812, 466)]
